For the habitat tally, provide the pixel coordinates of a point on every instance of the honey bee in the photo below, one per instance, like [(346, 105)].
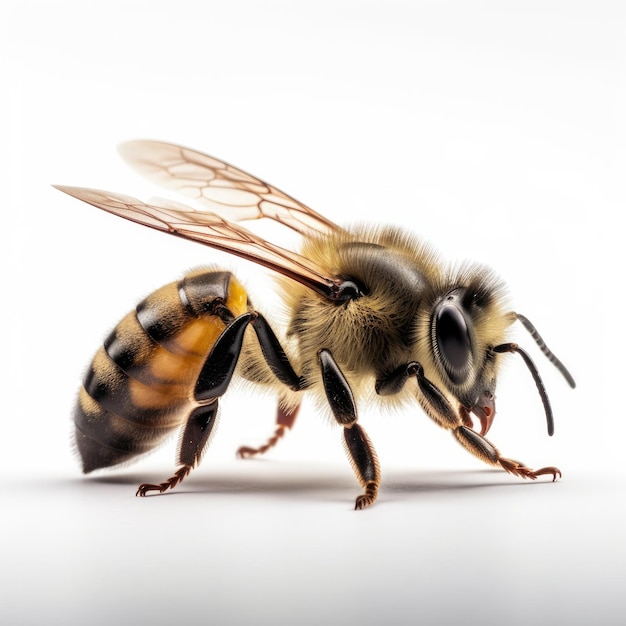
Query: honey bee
[(374, 313)]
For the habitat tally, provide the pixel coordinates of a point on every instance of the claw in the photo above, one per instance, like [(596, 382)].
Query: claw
[(519, 469), (144, 488), (363, 502), (368, 497), (170, 483), (555, 471)]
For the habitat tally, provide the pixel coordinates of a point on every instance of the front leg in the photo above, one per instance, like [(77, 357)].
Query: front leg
[(469, 438), (459, 422), (358, 445), (487, 452)]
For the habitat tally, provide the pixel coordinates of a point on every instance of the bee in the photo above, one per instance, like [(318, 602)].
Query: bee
[(373, 313)]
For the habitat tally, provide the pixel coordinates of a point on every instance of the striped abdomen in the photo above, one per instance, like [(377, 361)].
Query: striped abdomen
[(139, 387)]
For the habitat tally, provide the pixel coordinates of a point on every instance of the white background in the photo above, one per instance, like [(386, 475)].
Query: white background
[(494, 129)]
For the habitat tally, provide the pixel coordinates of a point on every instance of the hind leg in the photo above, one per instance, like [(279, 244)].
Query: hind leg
[(193, 441), (212, 383), (284, 422)]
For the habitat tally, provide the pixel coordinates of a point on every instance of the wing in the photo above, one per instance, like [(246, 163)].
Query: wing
[(211, 230), (219, 186)]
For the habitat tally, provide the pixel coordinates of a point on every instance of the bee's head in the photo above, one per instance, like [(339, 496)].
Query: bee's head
[(466, 323), (467, 333)]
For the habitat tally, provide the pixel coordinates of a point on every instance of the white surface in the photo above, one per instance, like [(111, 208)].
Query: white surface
[(498, 128)]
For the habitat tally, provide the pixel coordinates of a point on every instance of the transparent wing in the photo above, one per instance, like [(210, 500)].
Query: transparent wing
[(209, 229), (220, 187)]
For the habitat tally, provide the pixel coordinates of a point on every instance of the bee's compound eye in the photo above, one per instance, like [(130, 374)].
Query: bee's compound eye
[(454, 342)]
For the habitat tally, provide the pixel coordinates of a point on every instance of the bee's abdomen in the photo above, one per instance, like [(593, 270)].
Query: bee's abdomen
[(139, 386)]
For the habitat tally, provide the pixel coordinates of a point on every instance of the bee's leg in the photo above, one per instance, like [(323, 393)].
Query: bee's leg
[(487, 452), (438, 407), (212, 383), (284, 422), (359, 447), (278, 362), (193, 440), (274, 354), (431, 399)]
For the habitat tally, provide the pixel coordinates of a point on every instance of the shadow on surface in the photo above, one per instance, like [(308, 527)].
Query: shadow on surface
[(288, 479)]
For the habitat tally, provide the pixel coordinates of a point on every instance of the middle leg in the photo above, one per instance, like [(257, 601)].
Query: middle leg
[(358, 445)]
